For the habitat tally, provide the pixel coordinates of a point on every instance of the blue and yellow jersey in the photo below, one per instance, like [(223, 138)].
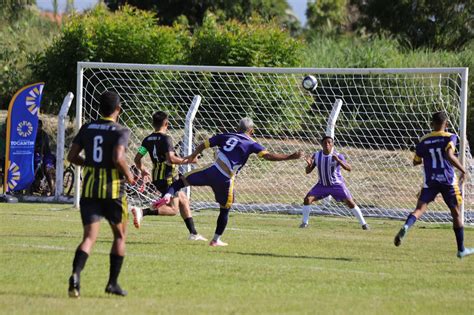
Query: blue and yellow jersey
[(432, 151), (101, 179), (234, 149)]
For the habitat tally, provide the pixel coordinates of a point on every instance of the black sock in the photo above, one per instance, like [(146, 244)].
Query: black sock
[(149, 211), (79, 261), (222, 221), (190, 225), (115, 266), (459, 232)]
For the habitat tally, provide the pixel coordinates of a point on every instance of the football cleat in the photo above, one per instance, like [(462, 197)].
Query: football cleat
[(400, 235), (465, 252), (303, 225), (366, 227), (74, 290), (115, 289), (214, 243), (137, 216), (160, 202), (196, 237)]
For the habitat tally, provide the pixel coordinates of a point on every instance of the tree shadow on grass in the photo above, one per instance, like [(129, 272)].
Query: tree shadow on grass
[(273, 255)]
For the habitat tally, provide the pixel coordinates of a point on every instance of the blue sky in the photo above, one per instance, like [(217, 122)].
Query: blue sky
[(299, 6)]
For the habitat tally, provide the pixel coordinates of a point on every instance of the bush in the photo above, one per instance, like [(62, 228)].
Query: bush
[(128, 35), (236, 44), (24, 32)]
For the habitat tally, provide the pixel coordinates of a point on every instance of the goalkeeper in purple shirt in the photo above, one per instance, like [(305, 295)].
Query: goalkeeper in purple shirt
[(328, 162), (233, 152), (436, 151)]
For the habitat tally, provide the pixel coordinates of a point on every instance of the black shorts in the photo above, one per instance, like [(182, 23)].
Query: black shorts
[(114, 210)]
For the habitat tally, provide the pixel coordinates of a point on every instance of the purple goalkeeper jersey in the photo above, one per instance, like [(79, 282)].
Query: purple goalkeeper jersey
[(234, 150), (329, 170), (432, 150)]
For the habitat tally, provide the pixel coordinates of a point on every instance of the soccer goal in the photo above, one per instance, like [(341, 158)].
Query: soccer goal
[(383, 114)]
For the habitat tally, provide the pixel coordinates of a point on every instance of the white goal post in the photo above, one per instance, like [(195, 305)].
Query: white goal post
[(384, 112)]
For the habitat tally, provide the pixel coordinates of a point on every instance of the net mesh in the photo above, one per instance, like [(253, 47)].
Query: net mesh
[(382, 117)]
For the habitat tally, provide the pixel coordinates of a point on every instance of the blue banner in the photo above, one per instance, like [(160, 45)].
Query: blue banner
[(22, 125)]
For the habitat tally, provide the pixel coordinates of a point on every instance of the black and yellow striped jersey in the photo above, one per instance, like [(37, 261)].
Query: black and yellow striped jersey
[(158, 144), (100, 178)]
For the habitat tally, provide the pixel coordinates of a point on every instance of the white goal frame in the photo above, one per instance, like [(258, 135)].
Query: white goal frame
[(462, 72)]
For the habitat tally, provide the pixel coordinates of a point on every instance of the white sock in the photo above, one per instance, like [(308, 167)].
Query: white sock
[(358, 215), (216, 237), (306, 210)]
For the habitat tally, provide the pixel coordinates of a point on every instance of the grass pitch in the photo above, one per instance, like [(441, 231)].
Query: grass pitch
[(270, 266)]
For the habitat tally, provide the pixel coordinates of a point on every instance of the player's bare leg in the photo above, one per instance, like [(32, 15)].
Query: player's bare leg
[(117, 254), (308, 200), (357, 213), (458, 227), (421, 207), (91, 231), (170, 209)]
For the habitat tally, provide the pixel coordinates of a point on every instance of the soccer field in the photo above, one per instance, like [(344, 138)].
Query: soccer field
[(270, 266)]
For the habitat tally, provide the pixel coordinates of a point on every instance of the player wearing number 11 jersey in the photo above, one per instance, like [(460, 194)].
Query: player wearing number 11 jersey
[(233, 152), (436, 152)]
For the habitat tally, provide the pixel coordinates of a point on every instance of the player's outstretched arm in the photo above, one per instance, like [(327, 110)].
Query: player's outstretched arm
[(282, 157), (138, 163), (121, 163), (455, 162), (74, 155), (342, 163), (172, 158), (193, 157), (309, 165)]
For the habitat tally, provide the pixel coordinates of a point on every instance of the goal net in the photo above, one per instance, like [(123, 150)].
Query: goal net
[(383, 114)]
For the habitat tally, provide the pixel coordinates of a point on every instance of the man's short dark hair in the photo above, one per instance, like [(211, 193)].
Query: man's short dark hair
[(326, 137), (159, 118), (439, 117), (108, 103)]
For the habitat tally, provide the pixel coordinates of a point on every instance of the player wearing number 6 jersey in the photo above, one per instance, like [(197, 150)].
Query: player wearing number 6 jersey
[(103, 190), (436, 152), (233, 152)]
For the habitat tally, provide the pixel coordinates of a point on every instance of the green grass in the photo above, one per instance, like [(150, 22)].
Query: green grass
[(269, 267)]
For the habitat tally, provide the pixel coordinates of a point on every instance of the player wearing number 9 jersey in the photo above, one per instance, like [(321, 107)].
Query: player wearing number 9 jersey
[(233, 152), (103, 195), (436, 151)]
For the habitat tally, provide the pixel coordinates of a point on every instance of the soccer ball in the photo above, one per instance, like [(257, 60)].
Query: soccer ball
[(310, 83)]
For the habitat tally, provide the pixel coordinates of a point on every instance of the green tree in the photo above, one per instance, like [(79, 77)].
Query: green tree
[(128, 35), (194, 10), (327, 16), (438, 24)]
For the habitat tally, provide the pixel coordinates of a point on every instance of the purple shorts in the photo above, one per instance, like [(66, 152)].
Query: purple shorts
[(222, 186), (338, 191), (451, 194)]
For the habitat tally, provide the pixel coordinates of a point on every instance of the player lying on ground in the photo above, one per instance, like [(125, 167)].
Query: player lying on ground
[(331, 182), (233, 151), (103, 192), (436, 151), (163, 157)]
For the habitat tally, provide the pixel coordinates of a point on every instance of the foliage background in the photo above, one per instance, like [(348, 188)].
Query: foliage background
[(342, 33)]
